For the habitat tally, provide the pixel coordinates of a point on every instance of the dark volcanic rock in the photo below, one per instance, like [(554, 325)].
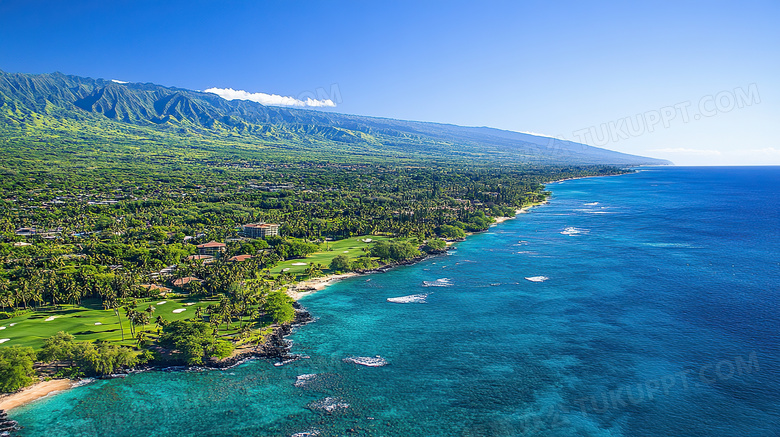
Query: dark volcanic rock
[(7, 425)]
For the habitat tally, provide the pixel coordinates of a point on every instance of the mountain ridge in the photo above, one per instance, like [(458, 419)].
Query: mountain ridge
[(178, 111)]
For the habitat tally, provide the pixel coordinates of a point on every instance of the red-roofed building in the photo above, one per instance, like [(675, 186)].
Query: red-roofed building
[(181, 282), (211, 248), (204, 258), (153, 287), (261, 230), (239, 258)]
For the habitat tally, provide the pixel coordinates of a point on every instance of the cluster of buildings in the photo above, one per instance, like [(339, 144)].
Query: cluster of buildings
[(208, 252)]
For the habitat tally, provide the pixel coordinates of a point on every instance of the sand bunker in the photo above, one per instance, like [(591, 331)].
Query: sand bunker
[(179, 310), (50, 318), (298, 264), (3, 340)]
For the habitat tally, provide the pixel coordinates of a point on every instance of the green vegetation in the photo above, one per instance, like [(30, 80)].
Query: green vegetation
[(97, 118), (394, 251), (451, 232), (16, 367), (434, 245), (340, 264), (278, 305), (194, 340), (101, 213), (87, 358)]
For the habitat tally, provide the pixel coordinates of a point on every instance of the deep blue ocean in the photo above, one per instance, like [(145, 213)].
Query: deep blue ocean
[(658, 317)]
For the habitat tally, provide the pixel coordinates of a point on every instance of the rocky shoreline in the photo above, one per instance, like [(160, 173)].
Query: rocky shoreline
[(7, 425), (276, 346)]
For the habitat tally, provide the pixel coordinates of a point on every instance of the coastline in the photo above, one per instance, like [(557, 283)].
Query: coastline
[(522, 210), (274, 347), (313, 285), (34, 392)]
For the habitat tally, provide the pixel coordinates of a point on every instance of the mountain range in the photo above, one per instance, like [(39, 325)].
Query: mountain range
[(42, 107)]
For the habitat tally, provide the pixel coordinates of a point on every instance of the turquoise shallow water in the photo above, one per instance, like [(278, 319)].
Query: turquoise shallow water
[(659, 318)]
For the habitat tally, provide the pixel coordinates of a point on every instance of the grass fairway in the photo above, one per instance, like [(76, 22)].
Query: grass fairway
[(352, 247), (88, 322)]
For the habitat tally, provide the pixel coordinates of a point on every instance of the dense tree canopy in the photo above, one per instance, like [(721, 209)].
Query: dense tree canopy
[(193, 341), (16, 368)]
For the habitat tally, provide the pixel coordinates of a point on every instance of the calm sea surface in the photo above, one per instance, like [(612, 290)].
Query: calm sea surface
[(659, 317)]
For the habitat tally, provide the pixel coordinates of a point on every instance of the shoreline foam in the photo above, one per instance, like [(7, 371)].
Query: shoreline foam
[(45, 388)]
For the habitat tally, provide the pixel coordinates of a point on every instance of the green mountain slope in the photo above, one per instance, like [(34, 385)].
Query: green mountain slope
[(137, 119)]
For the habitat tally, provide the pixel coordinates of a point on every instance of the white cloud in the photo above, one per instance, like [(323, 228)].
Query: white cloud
[(684, 151), (268, 99), (536, 134), (118, 81), (764, 151)]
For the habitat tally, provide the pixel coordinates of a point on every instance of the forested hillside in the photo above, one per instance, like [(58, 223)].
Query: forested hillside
[(75, 110), (110, 191)]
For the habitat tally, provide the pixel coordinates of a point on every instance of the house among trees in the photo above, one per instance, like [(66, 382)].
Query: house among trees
[(182, 282), (153, 288), (204, 258), (261, 230), (212, 248), (239, 258), (26, 232)]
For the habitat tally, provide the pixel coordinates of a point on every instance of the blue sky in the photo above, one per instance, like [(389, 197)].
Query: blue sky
[(699, 81)]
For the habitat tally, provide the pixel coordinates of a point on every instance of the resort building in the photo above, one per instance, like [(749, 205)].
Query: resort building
[(261, 230), (212, 248)]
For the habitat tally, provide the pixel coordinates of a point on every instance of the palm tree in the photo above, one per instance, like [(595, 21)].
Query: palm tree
[(116, 312), (131, 316), (225, 311), (22, 291), (140, 338), (6, 296), (142, 318)]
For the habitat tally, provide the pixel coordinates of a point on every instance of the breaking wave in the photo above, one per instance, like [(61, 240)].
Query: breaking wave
[(304, 380), (412, 298), (572, 231), (312, 433), (442, 282), (376, 361)]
